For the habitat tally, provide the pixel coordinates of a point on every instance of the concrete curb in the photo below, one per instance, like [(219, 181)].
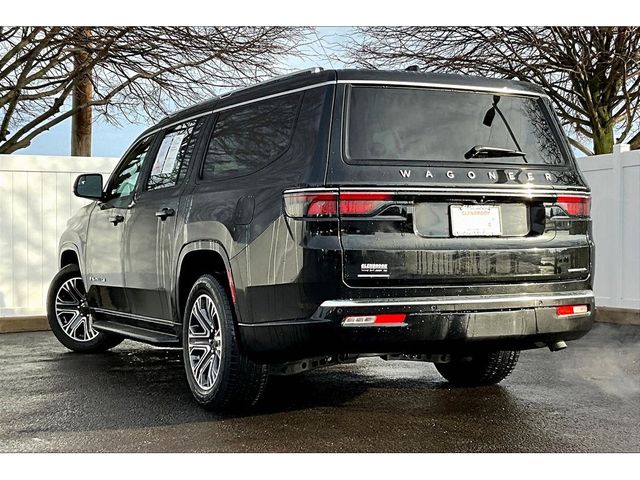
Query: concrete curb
[(620, 316), (23, 324)]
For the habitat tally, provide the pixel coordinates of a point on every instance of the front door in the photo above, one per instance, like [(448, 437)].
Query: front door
[(150, 246), (104, 274)]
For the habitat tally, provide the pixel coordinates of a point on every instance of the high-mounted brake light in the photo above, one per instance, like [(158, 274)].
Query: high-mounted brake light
[(329, 204), (385, 319), (564, 310), (574, 206)]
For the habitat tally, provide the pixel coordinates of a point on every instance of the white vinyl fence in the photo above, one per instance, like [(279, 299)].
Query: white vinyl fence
[(36, 200), (615, 207)]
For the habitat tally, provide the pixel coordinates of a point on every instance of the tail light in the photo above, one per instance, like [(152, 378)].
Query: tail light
[(574, 206), (314, 205), (331, 204), (362, 203)]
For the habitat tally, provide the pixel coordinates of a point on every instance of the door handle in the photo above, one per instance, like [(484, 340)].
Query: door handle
[(165, 212), (116, 219)]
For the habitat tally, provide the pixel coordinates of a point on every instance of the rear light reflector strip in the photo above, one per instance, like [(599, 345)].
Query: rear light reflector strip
[(387, 319), (565, 310)]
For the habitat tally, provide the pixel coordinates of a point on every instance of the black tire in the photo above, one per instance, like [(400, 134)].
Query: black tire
[(483, 368), (95, 341), (239, 382)]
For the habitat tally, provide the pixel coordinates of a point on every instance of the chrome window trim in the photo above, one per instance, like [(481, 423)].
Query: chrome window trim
[(441, 86), (240, 104), (447, 86)]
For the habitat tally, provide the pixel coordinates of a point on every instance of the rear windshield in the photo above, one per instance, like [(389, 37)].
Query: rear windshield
[(416, 124)]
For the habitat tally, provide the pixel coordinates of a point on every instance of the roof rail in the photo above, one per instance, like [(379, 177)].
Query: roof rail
[(275, 79)]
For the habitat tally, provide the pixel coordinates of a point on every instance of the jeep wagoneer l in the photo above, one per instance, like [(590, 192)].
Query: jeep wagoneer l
[(328, 215)]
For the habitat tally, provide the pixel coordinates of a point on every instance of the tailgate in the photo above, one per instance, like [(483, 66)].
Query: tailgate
[(422, 238)]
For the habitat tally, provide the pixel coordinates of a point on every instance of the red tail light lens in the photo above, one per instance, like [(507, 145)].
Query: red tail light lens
[(314, 205), (362, 203), (322, 205), (575, 206), (328, 204)]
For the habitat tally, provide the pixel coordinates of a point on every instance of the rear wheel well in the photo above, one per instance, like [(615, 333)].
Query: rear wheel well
[(68, 257), (195, 264)]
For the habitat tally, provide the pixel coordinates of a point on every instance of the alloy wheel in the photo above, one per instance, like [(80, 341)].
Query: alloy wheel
[(72, 311), (205, 342)]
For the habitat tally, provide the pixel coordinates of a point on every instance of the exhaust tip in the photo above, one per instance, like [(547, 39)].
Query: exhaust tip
[(555, 346)]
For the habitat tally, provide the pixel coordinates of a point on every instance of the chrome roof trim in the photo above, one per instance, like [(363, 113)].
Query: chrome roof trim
[(447, 86), (239, 104)]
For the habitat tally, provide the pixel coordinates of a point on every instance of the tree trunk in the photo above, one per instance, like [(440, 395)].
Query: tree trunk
[(81, 121), (603, 140), (602, 129)]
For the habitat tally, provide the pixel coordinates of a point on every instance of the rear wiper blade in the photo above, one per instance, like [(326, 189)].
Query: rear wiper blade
[(486, 151)]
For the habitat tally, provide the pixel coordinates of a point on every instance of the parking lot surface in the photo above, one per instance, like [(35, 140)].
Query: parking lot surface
[(136, 399)]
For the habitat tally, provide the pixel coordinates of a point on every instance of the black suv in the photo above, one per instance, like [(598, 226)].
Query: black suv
[(328, 215)]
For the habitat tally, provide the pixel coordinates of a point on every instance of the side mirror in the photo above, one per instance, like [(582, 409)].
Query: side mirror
[(88, 186)]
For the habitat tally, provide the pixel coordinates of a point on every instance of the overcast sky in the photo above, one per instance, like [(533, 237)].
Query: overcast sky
[(112, 141)]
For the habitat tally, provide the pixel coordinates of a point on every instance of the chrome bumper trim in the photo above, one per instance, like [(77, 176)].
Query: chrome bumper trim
[(467, 300)]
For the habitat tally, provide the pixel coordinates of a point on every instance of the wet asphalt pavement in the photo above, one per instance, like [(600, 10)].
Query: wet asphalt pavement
[(136, 399)]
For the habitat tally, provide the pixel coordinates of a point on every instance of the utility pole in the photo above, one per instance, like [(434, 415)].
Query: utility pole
[(81, 121)]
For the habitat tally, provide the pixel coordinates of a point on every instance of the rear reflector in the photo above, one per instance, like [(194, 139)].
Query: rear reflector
[(574, 206), (388, 319), (571, 310)]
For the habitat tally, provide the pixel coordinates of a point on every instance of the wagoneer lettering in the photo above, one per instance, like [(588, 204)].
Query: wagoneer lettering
[(328, 215)]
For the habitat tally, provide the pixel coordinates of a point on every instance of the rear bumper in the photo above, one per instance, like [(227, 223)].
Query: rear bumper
[(432, 325)]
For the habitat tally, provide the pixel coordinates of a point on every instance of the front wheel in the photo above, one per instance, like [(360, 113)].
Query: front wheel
[(69, 315), (482, 369), (220, 376)]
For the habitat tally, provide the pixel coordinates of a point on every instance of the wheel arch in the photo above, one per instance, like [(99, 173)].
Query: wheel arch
[(198, 258), (69, 255)]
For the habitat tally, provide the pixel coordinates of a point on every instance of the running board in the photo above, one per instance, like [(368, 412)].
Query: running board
[(140, 334)]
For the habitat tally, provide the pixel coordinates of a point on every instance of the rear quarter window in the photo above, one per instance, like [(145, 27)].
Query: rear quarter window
[(247, 138)]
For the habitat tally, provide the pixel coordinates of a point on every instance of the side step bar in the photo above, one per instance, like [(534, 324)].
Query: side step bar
[(137, 333)]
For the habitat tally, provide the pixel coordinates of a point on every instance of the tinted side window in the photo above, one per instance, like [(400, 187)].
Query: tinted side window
[(247, 138), (172, 160), (124, 180)]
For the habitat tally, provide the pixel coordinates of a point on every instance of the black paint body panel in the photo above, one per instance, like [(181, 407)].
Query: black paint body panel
[(283, 269)]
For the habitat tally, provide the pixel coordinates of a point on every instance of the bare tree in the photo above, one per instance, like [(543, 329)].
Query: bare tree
[(592, 74), (130, 73)]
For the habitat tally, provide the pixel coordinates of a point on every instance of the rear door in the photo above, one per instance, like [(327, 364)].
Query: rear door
[(441, 187), (150, 241)]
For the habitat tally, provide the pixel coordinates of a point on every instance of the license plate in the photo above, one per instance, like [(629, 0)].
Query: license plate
[(475, 221)]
